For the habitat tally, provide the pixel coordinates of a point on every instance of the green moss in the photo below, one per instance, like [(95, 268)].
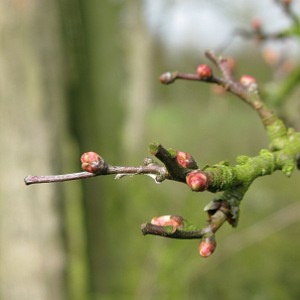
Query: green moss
[(153, 148), (172, 152), (276, 130), (242, 159)]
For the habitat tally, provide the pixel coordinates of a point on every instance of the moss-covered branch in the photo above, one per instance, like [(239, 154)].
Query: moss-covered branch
[(282, 154)]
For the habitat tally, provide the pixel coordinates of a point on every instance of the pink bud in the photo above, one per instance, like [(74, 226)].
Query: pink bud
[(197, 181), (270, 56), (91, 162), (168, 220), (249, 82), (231, 63), (256, 24), (207, 246), (185, 160), (204, 71)]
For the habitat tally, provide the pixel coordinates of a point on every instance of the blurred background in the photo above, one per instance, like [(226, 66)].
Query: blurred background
[(79, 76)]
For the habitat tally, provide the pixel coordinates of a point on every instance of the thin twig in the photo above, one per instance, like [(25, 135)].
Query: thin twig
[(111, 170), (34, 179)]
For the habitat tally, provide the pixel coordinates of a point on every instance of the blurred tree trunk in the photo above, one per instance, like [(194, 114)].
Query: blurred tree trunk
[(139, 69), (97, 117), (34, 139), (116, 80)]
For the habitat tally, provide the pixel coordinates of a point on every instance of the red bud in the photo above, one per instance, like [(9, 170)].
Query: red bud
[(92, 162), (197, 181), (204, 71), (185, 160)]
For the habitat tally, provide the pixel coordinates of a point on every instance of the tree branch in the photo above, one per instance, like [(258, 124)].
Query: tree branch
[(283, 154), (160, 173)]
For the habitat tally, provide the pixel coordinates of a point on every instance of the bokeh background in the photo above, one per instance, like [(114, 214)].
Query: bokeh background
[(79, 76)]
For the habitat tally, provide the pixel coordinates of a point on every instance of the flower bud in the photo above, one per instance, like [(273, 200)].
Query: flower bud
[(204, 71), (270, 56), (197, 181), (92, 162), (207, 246), (231, 63), (185, 160), (256, 24), (249, 82), (176, 222), (167, 78)]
